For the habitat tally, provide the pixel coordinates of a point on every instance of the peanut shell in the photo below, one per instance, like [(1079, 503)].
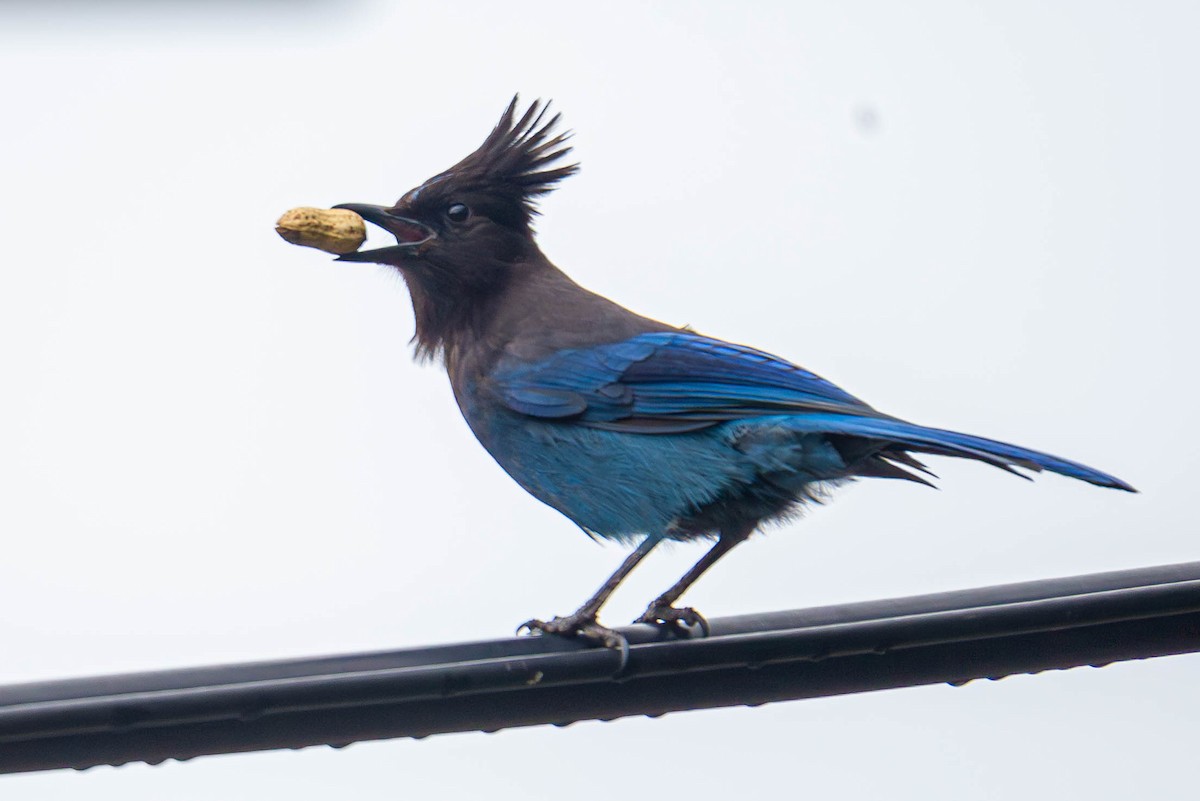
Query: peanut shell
[(331, 230)]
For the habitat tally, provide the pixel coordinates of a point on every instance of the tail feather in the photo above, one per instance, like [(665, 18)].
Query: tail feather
[(909, 437), (881, 466), (908, 460)]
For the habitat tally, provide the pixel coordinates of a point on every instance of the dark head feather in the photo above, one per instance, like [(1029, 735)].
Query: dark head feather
[(514, 162)]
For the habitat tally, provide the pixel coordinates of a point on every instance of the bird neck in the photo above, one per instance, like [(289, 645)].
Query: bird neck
[(538, 313), (455, 306)]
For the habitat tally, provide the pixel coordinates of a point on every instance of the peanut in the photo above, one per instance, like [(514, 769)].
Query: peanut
[(331, 230)]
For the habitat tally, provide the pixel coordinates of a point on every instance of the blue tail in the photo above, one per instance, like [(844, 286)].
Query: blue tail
[(909, 437)]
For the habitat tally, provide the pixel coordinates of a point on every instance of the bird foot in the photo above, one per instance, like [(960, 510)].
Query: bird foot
[(673, 617), (583, 627)]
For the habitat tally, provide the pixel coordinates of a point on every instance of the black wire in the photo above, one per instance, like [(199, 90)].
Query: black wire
[(747, 660)]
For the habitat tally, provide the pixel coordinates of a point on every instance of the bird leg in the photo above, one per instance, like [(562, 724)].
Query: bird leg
[(582, 622), (663, 610)]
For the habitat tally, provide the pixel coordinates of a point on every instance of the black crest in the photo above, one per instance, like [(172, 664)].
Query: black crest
[(515, 160)]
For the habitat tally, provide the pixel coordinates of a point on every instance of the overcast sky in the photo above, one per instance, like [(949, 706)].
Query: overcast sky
[(216, 448)]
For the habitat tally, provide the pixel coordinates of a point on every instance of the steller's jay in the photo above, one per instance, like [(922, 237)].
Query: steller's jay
[(632, 428)]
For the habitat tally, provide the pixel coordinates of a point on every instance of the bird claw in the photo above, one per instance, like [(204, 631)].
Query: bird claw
[(674, 617), (583, 628)]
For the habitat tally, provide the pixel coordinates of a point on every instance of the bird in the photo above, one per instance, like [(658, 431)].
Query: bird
[(636, 430)]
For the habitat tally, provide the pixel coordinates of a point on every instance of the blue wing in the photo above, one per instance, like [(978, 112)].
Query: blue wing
[(668, 382), (674, 382)]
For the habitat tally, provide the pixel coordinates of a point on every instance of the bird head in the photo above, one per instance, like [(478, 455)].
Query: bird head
[(465, 233)]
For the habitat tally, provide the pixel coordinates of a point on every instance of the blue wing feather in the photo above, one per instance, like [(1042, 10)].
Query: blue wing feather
[(676, 382), (669, 375)]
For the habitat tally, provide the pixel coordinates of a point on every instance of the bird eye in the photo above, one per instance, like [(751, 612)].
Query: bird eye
[(457, 212)]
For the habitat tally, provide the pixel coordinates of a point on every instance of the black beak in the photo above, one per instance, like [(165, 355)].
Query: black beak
[(410, 234)]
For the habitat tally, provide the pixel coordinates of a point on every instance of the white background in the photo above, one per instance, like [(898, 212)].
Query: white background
[(215, 446)]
